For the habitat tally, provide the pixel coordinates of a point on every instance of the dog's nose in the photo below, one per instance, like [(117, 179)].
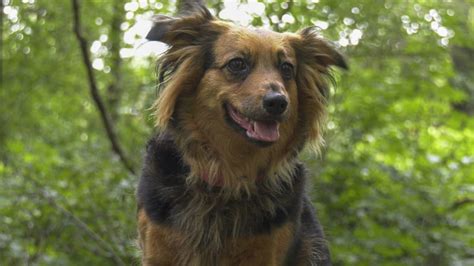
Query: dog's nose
[(275, 103)]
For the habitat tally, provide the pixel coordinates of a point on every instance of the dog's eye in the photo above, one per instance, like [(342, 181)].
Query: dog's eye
[(237, 66), (287, 70)]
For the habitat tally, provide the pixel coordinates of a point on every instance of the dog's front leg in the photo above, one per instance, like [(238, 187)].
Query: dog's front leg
[(156, 243)]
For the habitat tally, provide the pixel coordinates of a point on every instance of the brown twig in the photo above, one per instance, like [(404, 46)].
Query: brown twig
[(107, 122)]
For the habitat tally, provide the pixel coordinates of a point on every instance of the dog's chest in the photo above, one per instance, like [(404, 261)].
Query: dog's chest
[(198, 229), (164, 245), (167, 198), (196, 226)]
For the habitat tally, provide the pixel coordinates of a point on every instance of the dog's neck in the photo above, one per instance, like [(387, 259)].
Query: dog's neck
[(219, 179), (236, 173)]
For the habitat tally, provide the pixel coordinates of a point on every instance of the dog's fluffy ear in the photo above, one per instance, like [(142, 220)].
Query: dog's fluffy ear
[(182, 66), (161, 25), (315, 57), (186, 27), (312, 47)]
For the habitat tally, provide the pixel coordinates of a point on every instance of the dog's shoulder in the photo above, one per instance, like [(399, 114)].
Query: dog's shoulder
[(162, 157), (163, 177), (310, 246)]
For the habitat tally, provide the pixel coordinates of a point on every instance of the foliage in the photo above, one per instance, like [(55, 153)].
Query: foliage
[(394, 185)]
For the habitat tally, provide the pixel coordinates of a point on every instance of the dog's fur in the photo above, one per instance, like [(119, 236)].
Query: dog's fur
[(210, 194)]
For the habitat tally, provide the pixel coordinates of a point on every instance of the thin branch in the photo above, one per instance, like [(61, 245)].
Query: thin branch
[(460, 203), (77, 221), (107, 122), (84, 227)]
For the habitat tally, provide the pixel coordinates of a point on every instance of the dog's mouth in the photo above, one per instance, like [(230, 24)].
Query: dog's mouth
[(261, 131)]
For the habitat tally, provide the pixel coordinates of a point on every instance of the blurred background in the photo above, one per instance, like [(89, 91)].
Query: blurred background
[(394, 184)]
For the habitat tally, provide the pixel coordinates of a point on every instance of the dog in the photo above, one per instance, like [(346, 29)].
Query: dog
[(221, 182)]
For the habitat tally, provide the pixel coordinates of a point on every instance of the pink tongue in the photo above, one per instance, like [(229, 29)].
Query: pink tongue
[(264, 131)]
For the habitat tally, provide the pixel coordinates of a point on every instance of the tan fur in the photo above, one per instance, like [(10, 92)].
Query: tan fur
[(162, 246), (211, 145), (194, 97), (158, 243), (271, 248)]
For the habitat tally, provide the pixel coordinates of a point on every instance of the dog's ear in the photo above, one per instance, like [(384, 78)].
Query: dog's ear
[(188, 7), (315, 57), (190, 37), (187, 27), (310, 46), (161, 26)]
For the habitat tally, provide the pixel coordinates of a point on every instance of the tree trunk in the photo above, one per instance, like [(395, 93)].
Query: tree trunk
[(115, 88), (462, 57)]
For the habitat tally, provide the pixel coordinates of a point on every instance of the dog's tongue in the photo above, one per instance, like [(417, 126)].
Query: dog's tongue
[(258, 130), (264, 130)]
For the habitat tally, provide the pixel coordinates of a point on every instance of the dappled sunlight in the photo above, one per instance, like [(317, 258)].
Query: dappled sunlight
[(393, 184)]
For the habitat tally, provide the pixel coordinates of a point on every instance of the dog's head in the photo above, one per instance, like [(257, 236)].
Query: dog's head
[(225, 82)]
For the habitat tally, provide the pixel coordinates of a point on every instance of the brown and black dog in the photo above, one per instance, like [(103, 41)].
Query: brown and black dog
[(221, 183)]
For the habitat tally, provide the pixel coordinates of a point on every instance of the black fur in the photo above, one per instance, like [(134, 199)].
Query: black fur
[(163, 192)]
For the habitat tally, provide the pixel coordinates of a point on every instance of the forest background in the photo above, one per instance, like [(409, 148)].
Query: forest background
[(394, 184)]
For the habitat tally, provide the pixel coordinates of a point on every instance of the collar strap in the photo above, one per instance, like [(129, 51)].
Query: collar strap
[(218, 182)]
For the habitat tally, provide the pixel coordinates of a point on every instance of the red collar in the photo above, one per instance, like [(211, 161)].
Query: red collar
[(218, 181)]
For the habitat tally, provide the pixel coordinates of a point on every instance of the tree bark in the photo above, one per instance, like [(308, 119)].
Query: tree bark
[(463, 61), (115, 88), (462, 56)]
